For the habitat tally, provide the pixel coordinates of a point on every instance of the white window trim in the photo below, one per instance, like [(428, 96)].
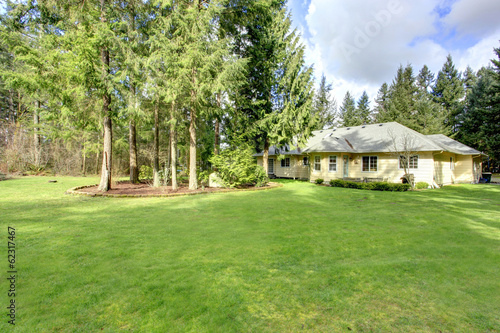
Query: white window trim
[(314, 165), (452, 163), (336, 163), (369, 171), (399, 164)]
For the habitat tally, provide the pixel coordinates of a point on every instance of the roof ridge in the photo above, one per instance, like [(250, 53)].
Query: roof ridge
[(423, 136)]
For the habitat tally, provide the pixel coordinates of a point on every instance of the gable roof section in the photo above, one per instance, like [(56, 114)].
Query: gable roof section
[(375, 138), (368, 139), (453, 146)]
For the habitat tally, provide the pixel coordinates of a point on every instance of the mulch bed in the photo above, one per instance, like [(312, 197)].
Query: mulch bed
[(127, 189)]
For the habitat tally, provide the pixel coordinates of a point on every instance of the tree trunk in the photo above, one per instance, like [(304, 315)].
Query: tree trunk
[(156, 146), (265, 161), (173, 150), (97, 163), (36, 136), (105, 184), (84, 162), (193, 181), (217, 129), (12, 115), (132, 139), (132, 135)]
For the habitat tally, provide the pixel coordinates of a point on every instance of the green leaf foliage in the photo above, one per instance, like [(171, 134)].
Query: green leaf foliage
[(236, 167)]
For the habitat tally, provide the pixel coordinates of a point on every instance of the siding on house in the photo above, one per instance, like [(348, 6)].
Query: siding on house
[(434, 153), (444, 170), (296, 169), (464, 169), (387, 167), (325, 173)]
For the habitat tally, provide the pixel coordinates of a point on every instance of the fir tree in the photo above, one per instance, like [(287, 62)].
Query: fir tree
[(400, 106), (363, 113), (382, 101), (324, 107), (429, 116), (348, 110), (448, 92)]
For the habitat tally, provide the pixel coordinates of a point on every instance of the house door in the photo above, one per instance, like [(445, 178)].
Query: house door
[(270, 166), (346, 166)]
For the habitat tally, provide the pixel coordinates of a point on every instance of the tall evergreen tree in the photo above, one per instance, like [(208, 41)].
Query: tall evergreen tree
[(348, 110), (402, 95), (324, 106), (290, 119), (429, 116), (448, 91), (382, 101), (363, 112)]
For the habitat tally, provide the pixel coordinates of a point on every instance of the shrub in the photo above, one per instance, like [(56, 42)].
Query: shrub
[(203, 177), (351, 184), (261, 178), (376, 186), (337, 183), (145, 172), (236, 167), (319, 181), (421, 185)]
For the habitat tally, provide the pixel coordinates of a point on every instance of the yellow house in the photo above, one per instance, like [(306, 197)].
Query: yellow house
[(377, 152)]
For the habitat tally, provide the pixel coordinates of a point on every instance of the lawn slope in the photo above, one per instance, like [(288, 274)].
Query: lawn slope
[(297, 258)]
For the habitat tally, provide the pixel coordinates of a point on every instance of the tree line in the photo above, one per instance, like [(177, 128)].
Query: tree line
[(108, 86), (463, 105)]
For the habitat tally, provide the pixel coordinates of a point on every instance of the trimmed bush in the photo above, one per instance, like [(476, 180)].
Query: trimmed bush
[(350, 184), (319, 181), (337, 183), (375, 186), (421, 185), (236, 167)]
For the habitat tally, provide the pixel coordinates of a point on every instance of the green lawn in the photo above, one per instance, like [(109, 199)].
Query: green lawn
[(297, 258)]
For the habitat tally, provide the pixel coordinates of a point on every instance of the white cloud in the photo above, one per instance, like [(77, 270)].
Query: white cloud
[(474, 17), (360, 44)]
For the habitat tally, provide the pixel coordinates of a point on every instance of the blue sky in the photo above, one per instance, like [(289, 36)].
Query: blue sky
[(359, 44)]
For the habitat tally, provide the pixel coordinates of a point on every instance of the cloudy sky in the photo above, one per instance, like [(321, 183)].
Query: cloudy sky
[(359, 44)]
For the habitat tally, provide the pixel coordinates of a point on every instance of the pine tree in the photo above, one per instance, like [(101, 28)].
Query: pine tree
[(402, 96), (491, 123), (324, 106), (382, 101), (363, 112), (348, 110), (290, 120), (448, 91), (429, 116)]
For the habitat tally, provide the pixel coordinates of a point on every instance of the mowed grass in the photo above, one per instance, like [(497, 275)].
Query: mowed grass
[(297, 258)]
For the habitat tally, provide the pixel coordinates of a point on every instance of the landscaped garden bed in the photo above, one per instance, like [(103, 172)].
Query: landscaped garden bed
[(144, 189)]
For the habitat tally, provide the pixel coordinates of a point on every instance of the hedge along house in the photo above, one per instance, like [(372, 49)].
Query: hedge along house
[(377, 152)]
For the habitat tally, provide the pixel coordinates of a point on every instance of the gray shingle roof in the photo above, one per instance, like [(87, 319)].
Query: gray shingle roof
[(376, 138), (453, 146)]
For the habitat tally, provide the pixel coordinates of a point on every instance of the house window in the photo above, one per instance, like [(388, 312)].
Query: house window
[(305, 161), (317, 163), (332, 165), (413, 162), (285, 163), (452, 166), (370, 163)]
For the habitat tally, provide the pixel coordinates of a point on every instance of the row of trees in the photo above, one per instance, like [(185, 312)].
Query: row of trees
[(464, 105), (162, 83)]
